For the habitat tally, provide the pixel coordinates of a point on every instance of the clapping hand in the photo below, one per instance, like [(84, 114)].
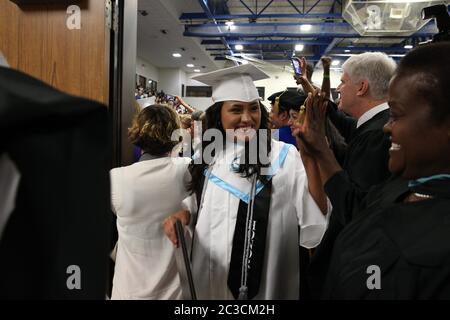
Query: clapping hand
[(310, 134)]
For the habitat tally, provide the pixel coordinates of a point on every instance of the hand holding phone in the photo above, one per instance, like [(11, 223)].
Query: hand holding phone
[(296, 66)]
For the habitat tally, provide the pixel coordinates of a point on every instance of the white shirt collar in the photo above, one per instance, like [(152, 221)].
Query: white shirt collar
[(371, 113)]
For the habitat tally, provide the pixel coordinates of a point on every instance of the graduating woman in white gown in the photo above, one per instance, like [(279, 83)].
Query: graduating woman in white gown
[(255, 206)]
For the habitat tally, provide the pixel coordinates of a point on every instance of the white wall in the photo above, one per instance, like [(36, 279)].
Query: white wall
[(198, 103), (335, 77), (278, 81), (146, 69), (281, 80), (170, 81)]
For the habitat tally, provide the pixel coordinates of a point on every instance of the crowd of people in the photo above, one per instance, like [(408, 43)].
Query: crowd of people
[(362, 186), (308, 199), (146, 97)]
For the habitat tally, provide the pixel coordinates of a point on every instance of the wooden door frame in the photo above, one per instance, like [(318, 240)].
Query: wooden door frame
[(122, 79)]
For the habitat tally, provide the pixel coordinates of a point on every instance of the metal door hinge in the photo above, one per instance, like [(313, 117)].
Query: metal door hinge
[(116, 16), (108, 14)]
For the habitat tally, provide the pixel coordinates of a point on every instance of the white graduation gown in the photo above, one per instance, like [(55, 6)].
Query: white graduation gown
[(291, 206)]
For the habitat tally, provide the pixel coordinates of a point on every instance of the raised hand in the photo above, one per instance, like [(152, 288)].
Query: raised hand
[(326, 62), (303, 78), (310, 134)]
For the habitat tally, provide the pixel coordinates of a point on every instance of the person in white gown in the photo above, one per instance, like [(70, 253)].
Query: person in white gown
[(252, 215)]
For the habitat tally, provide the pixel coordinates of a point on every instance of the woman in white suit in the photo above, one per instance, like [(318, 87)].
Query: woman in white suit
[(143, 195)]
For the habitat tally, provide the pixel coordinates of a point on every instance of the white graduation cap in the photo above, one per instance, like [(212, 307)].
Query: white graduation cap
[(235, 83)]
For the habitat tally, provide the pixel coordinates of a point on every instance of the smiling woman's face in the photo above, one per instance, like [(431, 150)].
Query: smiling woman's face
[(244, 118), (420, 145)]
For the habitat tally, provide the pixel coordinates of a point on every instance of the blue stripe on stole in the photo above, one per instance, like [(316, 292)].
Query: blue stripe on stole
[(414, 183), (259, 185)]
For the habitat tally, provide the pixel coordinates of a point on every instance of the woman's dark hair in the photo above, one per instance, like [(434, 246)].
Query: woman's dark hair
[(213, 121), (432, 63), (152, 129)]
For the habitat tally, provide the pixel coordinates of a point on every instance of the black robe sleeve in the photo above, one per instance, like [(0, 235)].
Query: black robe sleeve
[(344, 124), (408, 244), (366, 165), (55, 244)]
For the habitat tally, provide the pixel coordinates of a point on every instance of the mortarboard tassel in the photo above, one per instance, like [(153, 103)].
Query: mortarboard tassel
[(243, 293)]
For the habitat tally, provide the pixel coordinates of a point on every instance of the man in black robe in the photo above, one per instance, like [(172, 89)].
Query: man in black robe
[(54, 232), (398, 244), (363, 89)]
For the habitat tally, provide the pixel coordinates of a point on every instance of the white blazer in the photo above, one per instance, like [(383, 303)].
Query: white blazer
[(143, 195)]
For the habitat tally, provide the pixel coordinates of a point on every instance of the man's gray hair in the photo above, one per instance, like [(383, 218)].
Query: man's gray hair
[(375, 67)]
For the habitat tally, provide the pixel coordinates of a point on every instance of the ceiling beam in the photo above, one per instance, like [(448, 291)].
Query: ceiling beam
[(289, 30), (263, 41), (267, 5), (282, 35), (255, 50), (313, 6), (203, 4), (269, 58), (367, 49), (294, 6), (203, 16), (268, 24), (248, 8)]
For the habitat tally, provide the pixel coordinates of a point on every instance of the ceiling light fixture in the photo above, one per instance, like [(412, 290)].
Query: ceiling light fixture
[(230, 25), (196, 70), (408, 46), (396, 13), (190, 65), (347, 50), (305, 27), (176, 55), (299, 47), (335, 62), (239, 47)]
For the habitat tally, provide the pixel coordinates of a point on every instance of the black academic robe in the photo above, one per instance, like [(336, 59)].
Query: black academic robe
[(345, 124), (409, 243), (58, 232), (365, 165)]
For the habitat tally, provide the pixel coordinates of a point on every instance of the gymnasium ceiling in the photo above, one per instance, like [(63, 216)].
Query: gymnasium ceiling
[(268, 30)]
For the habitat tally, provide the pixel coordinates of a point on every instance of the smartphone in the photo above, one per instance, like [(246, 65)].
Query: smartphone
[(296, 66)]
